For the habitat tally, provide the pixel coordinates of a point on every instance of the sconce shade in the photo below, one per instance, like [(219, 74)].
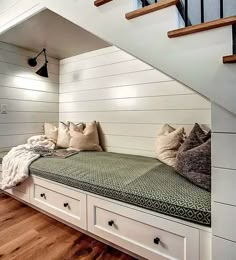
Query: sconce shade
[(32, 62), (43, 71)]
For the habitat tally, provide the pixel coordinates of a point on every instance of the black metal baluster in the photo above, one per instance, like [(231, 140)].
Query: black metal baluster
[(234, 38), (202, 11), (145, 3), (186, 13), (221, 8)]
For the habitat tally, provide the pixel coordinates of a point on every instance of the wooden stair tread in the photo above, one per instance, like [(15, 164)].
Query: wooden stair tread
[(202, 27), (101, 2), (229, 59), (151, 8)]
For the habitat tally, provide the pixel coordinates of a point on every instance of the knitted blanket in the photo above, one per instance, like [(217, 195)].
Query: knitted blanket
[(15, 165)]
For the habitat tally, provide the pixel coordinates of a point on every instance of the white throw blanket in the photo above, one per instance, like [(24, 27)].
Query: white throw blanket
[(15, 165)]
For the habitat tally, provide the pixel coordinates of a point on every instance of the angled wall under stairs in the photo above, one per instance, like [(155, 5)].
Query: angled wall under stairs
[(194, 59)]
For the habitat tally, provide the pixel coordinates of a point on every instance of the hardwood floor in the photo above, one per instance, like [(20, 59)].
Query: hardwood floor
[(26, 234)]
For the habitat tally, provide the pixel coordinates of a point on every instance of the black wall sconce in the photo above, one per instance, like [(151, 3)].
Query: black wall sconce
[(43, 71)]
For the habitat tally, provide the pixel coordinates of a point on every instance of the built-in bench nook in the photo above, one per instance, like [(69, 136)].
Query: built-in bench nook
[(140, 186)]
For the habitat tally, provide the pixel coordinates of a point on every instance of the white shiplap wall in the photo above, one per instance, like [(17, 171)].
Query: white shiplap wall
[(30, 99), (223, 183), (130, 99)]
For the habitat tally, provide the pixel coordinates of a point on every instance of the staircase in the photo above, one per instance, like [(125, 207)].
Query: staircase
[(195, 58), (157, 35), (183, 10)]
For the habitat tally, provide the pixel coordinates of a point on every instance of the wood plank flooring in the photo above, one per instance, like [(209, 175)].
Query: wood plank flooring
[(26, 234)]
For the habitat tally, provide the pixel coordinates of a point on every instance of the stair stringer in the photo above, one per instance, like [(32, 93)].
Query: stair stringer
[(17, 11)]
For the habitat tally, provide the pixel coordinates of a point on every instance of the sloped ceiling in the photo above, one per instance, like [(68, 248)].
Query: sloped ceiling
[(59, 36)]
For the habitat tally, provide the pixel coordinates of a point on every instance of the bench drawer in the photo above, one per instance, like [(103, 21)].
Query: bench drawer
[(65, 203), (144, 234)]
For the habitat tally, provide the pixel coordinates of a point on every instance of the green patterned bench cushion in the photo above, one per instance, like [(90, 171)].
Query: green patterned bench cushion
[(137, 180)]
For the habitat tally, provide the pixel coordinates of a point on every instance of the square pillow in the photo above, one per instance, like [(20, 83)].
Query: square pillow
[(194, 158), (195, 135), (168, 143), (51, 131), (63, 139), (84, 138)]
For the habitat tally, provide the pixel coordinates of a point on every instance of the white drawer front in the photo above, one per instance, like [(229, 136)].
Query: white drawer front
[(223, 249), (224, 221), (63, 203), (67, 204), (149, 236)]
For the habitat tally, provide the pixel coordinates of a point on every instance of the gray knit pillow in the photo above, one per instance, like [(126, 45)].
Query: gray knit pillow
[(194, 158)]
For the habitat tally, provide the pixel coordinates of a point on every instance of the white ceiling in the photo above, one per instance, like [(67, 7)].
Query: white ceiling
[(59, 36)]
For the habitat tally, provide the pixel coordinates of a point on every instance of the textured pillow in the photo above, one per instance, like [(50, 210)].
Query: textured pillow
[(84, 139), (51, 131), (194, 158), (195, 136), (168, 143), (63, 139)]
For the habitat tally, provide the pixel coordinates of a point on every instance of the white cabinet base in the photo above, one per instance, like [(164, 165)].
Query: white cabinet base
[(149, 236), (142, 232)]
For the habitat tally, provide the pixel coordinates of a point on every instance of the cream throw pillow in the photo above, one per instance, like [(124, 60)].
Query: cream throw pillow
[(168, 143), (51, 131), (84, 139), (63, 139)]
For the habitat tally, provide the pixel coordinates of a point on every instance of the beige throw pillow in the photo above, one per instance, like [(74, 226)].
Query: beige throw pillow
[(51, 131), (168, 143), (63, 139), (84, 139)]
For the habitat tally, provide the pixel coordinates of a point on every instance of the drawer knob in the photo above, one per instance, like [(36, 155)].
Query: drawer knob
[(111, 223), (42, 195), (66, 205), (156, 240)]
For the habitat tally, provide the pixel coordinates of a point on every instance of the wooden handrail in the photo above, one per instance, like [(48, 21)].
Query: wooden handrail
[(202, 27), (151, 8), (101, 2)]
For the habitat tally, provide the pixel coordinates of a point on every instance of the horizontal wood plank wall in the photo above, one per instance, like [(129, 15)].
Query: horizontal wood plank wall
[(30, 99), (223, 183), (129, 99)]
